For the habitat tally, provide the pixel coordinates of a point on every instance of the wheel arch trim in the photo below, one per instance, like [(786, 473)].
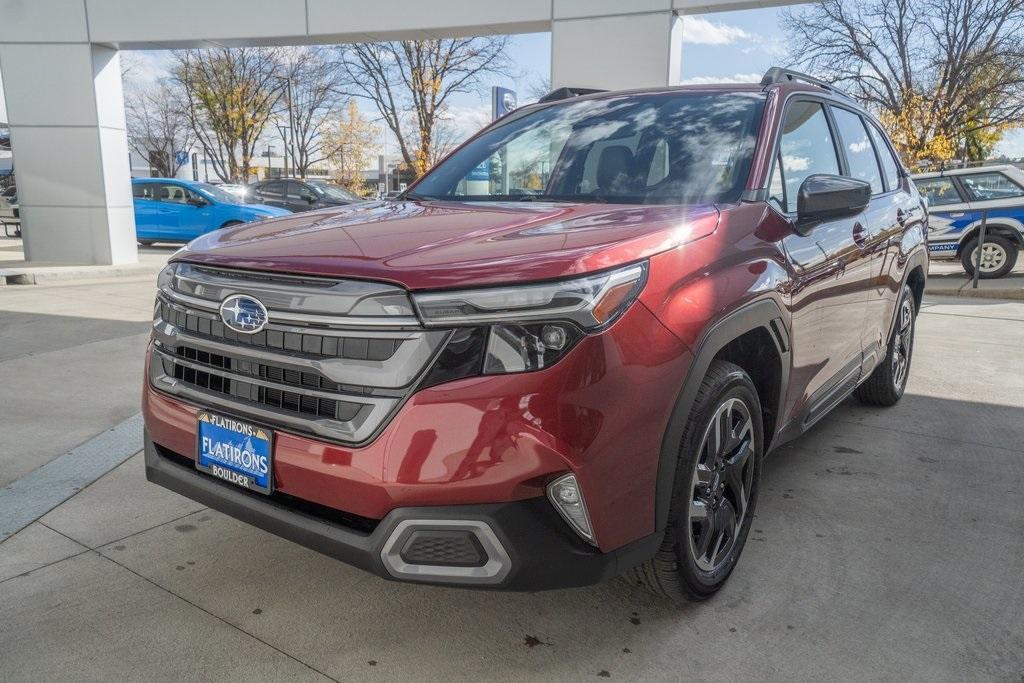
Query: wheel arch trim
[(763, 313)]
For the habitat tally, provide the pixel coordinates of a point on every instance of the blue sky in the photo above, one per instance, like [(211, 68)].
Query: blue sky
[(716, 47)]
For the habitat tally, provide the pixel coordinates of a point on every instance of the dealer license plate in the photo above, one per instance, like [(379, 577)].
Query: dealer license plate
[(235, 451)]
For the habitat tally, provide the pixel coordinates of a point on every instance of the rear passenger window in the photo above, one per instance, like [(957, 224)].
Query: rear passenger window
[(890, 167), (860, 153), (987, 186), (939, 191), (806, 148)]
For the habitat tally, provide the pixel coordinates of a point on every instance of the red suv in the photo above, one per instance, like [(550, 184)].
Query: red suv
[(562, 354)]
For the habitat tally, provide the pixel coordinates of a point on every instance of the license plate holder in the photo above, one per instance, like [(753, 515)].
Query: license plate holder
[(235, 451)]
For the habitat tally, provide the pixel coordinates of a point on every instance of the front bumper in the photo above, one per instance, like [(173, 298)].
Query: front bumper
[(527, 545)]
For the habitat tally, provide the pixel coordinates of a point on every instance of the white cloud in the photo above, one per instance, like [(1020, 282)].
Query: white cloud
[(735, 78), (699, 31)]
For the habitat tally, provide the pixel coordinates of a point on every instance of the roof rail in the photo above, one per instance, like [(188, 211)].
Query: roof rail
[(777, 74), (566, 93)]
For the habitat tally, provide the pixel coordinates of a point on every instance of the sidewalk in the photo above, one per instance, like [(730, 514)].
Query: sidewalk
[(947, 278)]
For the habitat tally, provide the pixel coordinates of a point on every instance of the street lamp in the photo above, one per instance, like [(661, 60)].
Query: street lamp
[(291, 118), (269, 151)]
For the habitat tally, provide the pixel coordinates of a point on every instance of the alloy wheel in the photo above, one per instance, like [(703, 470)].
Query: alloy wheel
[(721, 486), (901, 343)]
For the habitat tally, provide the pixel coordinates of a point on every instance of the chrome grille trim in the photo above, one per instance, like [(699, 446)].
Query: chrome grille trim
[(336, 376), (398, 371)]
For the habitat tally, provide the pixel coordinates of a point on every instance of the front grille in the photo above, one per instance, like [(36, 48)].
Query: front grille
[(291, 401), (308, 344), (308, 371)]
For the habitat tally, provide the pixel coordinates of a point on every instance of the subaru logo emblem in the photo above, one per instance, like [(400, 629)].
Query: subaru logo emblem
[(243, 314)]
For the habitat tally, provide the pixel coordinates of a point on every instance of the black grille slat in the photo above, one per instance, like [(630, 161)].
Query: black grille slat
[(312, 345), (289, 401)]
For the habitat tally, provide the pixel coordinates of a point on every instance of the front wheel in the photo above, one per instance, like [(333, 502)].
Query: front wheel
[(888, 381), (998, 257), (715, 492)]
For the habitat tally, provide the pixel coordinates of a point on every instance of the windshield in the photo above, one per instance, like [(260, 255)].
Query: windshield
[(218, 194), (676, 148), (334, 191)]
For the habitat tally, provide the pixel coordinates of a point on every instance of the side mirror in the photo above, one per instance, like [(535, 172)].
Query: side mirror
[(311, 199), (824, 197), (197, 202)]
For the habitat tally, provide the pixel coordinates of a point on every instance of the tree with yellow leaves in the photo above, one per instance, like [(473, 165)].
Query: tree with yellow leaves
[(353, 140)]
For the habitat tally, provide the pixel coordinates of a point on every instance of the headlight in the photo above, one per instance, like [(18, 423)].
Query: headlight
[(166, 276), (521, 329), (590, 302)]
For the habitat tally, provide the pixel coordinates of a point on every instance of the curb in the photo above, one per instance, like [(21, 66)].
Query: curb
[(25, 500), (56, 274)]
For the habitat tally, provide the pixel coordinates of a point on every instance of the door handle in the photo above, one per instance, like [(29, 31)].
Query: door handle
[(901, 216), (860, 235)]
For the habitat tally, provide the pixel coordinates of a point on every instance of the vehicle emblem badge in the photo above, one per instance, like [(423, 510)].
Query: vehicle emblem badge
[(243, 314)]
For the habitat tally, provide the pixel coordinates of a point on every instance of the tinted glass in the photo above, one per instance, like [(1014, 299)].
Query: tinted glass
[(939, 191), (806, 148), (860, 153), (175, 194), (275, 188), (142, 190), (649, 149), (890, 167), (300, 191), (987, 186)]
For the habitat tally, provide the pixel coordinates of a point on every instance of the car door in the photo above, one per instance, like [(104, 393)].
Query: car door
[(882, 223), (998, 195), (147, 212), (195, 215), (828, 268), (301, 197)]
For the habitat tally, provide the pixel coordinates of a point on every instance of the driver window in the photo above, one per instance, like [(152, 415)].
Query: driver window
[(806, 148), (176, 194)]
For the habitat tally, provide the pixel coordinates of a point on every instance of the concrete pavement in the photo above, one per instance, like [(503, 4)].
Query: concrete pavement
[(888, 544)]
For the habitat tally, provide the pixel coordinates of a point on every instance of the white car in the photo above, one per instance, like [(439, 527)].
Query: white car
[(957, 200)]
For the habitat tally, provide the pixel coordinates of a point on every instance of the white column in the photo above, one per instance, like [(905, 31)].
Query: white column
[(66, 112), (612, 45)]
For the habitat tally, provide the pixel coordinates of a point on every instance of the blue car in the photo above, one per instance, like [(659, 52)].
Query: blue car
[(171, 210), (958, 198)]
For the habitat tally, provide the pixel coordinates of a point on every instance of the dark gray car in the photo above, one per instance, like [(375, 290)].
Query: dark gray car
[(300, 195)]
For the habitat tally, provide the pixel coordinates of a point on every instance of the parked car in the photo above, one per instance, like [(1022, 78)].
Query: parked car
[(172, 210), (957, 200), (240, 191), (547, 377), (302, 195)]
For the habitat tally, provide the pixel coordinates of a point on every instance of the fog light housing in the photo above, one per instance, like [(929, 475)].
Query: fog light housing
[(567, 497)]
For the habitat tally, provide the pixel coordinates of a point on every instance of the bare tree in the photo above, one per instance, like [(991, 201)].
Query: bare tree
[(312, 97), (158, 127), (943, 74), (411, 82), (353, 140), (229, 95)]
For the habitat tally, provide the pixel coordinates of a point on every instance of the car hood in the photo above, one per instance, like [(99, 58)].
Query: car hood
[(431, 245)]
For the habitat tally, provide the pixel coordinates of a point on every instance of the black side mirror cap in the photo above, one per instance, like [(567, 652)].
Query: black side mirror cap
[(824, 197), (195, 201)]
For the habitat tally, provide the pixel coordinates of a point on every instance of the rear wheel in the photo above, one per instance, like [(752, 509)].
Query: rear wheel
[(998, 256), (888, 381), (232, 223), (716, 487)]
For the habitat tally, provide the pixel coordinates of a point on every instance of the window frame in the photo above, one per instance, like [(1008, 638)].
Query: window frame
[(961, 191), (777, 154), (901, 173)]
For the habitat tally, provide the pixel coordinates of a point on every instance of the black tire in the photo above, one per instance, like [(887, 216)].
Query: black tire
[(146, 243), (888, 381), (1001, 257), (675, 571), (230, 224)]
